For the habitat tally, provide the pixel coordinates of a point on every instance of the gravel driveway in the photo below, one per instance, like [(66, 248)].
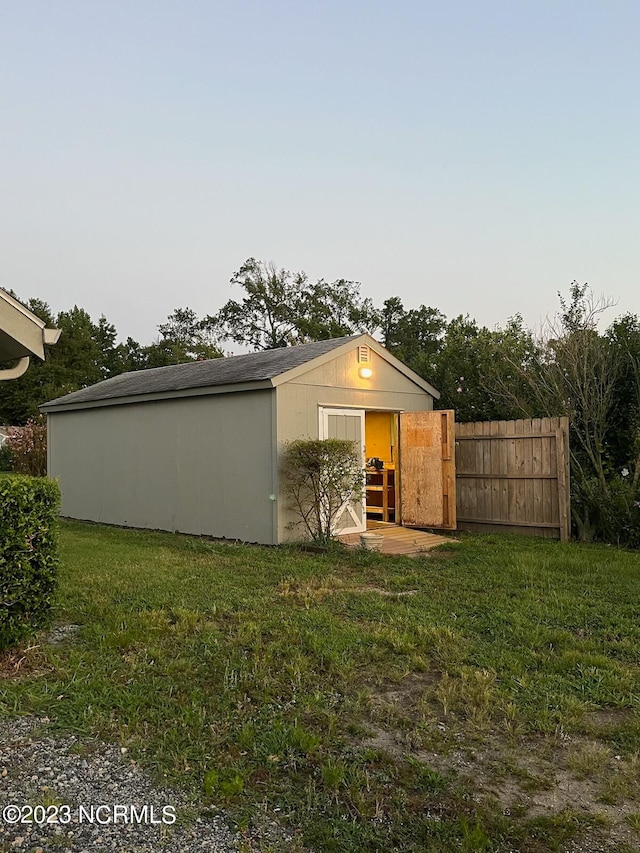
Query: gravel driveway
[(95, 797)]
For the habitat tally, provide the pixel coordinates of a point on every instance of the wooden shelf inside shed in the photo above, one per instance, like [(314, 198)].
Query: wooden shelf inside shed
[(381, 493)]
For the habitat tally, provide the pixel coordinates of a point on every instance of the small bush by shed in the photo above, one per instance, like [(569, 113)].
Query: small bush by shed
[(321, 476), (28, 554)]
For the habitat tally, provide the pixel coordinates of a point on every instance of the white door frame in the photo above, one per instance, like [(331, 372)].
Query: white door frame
[(359, 525)]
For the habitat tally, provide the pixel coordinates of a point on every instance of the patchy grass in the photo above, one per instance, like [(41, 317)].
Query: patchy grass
[(483, 697)]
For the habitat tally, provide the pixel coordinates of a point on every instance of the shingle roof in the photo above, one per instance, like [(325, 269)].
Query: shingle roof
[(237, 369)]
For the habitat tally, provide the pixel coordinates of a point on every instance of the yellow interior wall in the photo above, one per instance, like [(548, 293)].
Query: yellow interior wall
[(378, 433)]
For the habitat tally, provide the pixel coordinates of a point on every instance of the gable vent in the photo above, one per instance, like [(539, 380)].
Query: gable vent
[(364, 354)]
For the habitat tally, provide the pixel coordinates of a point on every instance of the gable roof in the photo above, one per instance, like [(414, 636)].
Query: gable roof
[(233, 370), (240, 372)]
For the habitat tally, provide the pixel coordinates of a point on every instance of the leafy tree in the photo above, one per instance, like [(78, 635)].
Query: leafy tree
[(188, 337), (114, 357), (134, 355), (40, 309), (502, 357), (76, 360), (624, 435), (268, 314), (281, 309), (184, 337), (579, 379), (415, 336), (463, 360), (332, 310), (390, 316), (460, 367)]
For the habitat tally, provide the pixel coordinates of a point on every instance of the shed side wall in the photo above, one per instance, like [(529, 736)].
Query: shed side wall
[(337, 383), (198, 465)]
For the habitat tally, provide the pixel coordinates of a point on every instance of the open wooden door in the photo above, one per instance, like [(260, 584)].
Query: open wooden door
[(427, 469)]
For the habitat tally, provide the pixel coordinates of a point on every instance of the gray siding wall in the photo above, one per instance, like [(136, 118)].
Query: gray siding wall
[(199, 465), (337, 384)]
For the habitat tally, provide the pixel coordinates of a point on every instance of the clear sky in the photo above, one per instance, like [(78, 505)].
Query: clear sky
[(475, 156)]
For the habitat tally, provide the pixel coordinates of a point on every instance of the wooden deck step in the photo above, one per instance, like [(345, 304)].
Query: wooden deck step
[(400, 540)]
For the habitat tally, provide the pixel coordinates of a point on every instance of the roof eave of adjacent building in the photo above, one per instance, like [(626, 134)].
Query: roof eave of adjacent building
[(27, 332)]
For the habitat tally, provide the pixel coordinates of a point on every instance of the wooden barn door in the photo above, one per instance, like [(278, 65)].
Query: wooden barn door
[(348, 424), (427, 469)]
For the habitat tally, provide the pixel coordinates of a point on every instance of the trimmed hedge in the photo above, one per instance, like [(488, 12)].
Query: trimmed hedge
[(28, 554)]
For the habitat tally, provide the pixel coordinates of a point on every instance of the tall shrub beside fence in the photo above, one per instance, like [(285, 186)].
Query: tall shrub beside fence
[(28, 554), (27, 446)]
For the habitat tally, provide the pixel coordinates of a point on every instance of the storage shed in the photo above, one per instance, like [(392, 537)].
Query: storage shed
[(195, 447)]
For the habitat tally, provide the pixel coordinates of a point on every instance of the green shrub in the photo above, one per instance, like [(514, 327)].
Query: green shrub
[(320, 477), (28, 554), (608, 512)]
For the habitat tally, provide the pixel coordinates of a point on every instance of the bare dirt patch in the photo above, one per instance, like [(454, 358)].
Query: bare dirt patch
[(404, 695), (606, 719), (386, 593), (536, 777), (23, 662), (316, 589), (29, 659)]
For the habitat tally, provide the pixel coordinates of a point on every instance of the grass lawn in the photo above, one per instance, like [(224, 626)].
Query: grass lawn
[(484, 697)]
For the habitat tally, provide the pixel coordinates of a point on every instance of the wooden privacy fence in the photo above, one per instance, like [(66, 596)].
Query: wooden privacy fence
[(513, 476)]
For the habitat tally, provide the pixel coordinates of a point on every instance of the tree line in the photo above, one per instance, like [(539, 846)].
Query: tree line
[(572, 368)]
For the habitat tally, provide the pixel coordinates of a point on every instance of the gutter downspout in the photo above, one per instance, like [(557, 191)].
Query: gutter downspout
[(16, 371)]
